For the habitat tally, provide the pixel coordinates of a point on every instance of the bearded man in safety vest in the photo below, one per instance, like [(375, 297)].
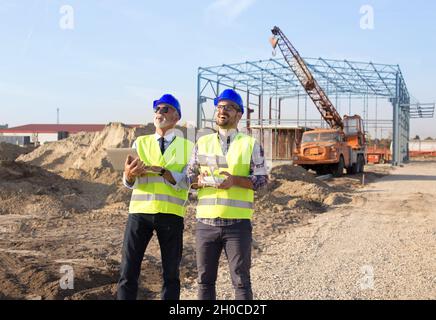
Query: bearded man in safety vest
[(226, 167), (158, 180)]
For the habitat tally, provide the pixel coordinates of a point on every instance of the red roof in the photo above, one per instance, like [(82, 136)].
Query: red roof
[(55, 128)]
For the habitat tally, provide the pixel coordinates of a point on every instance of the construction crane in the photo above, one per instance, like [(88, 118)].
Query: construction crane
[(309, 83), (343, 146)]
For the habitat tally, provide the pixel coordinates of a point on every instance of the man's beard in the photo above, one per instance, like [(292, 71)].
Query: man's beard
[(224, 122), (162, 124)]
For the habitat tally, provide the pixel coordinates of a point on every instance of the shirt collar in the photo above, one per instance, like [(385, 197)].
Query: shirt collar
[(169, 136), (223, 134)]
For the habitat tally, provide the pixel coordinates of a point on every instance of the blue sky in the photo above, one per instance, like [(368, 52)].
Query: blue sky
[(121, 55)]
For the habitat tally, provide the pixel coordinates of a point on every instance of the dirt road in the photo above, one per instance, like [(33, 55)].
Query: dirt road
[(382, 245)]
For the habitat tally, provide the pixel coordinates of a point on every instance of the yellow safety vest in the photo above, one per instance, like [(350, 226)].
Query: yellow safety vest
[(152, 193), (236, 202)]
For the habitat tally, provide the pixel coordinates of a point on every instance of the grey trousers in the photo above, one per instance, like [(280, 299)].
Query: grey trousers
[(236, 242)]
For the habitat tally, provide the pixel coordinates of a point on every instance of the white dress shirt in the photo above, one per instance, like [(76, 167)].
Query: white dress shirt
[(179, 177)]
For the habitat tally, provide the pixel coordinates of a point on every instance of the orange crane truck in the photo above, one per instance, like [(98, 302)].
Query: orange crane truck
[(325, 151)]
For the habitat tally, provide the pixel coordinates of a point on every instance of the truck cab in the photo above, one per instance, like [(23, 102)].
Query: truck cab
[(333, 150), (321, 150)]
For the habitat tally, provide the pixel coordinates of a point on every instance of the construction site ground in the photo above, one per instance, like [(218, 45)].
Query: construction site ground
[(334, 239), (380, 245)]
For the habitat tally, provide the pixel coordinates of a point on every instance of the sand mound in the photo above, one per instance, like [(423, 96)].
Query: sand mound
[(293, 195), (84, 156), (71, 175), (287, 204), (84, 151), (27, 189), (78, 169), (295, 173), (9, 152), (11, 171), (292, 182)]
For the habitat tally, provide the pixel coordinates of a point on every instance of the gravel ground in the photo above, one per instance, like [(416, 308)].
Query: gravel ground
[(379, 246)]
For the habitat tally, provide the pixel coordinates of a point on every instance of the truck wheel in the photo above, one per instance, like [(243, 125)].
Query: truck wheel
[(355, 167), (338, 170), (320, 171)]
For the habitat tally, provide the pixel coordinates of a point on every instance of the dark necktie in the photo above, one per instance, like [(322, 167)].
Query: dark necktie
[(162, 144)]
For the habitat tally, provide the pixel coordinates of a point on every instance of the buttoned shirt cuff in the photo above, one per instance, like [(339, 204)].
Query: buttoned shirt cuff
[(127, 184), (259, 181), (181, 180)]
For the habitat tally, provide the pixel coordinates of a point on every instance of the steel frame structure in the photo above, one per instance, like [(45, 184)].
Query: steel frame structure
[(273, 79)]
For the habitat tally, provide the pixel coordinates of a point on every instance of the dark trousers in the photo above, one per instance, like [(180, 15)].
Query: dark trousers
[(236, 242), (139, 230)]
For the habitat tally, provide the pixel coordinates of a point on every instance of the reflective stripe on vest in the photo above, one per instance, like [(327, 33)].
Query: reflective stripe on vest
[(212, 160), (150, 179), (152, 194), (225, 202), (154, 179), (157, 197), (233, 203)]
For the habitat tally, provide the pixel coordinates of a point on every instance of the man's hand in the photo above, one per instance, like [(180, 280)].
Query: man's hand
[(198, 183), (229, 182), (235, 181), (154, 169), (133, 167)]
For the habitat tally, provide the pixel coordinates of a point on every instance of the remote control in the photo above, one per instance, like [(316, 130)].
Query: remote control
[(211, 181)]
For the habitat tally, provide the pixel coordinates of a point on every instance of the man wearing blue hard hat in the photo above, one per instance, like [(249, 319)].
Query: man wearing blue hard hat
[(160, 192), (226, 167)]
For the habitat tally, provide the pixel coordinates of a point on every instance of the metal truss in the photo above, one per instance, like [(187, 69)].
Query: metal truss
[(272, 78), (420, 110)]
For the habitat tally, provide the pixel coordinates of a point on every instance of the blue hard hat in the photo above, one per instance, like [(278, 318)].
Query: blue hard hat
[(232, 95), (168, 99)]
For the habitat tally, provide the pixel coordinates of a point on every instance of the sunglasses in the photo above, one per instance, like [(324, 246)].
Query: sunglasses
[(162, 109)]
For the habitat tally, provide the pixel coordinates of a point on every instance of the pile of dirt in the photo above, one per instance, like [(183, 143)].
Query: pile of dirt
[(292, 196), (295, 173), (70, 175), (82, 160), (10, 152), (297, 183), (27, 189), (84, 154)]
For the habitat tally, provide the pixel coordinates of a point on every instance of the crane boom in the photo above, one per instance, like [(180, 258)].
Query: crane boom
[(302, 72)]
